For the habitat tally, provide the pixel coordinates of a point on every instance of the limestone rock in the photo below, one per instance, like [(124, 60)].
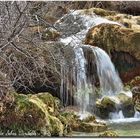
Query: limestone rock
[(114, 37), (122, 44)]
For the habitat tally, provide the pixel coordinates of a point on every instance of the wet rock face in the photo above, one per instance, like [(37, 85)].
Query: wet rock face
[(136, 98), (127, 65), (116, 40), (107, 105)]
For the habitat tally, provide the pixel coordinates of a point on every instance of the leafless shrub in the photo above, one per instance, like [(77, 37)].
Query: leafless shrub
[(24, 57)]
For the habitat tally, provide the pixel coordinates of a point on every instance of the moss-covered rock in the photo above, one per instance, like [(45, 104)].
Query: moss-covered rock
[(114, 37), (125, 98), (106, 105), (111, 102), (122, 44), (56, 126), (66, 124), (52, 103), (122, 101), (39, 114), (72, 120), (24, 115), (92, 127), (126, 103), (89, 119), (32, 113), (88, 124), (109, 133)]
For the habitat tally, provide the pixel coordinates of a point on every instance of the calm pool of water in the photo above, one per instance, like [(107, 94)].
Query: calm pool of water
[(125, 128)]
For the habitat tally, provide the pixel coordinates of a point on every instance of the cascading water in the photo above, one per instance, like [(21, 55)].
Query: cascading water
[(119, 118), (81, 80), (75, 27), (110, 82)]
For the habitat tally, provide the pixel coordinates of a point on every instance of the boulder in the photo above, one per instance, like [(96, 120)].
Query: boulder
[(109, 104), (32, 113), (114, 37), (92, 127), (106, 105), (126, 104)]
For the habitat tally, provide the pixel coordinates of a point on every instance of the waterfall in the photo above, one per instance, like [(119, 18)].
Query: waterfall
[(81, 94), (117, 115), (110, 82), (75, 26)]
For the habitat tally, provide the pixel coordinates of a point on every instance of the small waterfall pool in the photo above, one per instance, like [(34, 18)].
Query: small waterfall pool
[(128, 129), (124, 127)]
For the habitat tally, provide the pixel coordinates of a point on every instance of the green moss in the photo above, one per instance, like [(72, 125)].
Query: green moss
[(56, 127), (72, 120), (52, 103), (23, 117), (109, 133), (30, 113), (65, 122)]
